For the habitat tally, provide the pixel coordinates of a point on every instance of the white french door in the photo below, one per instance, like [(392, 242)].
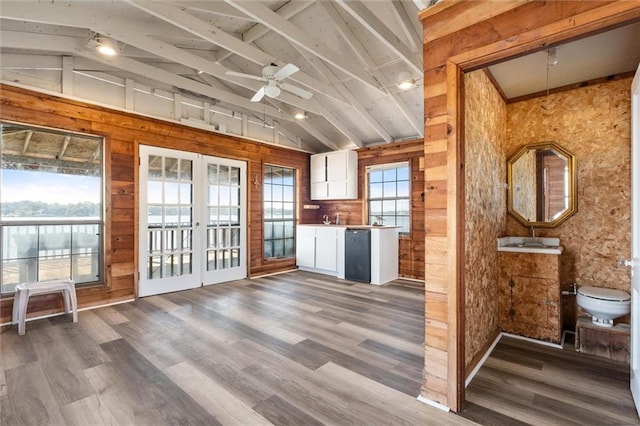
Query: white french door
[(192, 220), (635, 240)]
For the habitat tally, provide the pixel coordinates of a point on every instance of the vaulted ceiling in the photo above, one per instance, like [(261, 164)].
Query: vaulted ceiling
[(350, 55), (175, 57)]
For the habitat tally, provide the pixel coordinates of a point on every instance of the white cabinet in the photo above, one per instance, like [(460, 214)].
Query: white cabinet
[(305, 247), (334, 175), (320, 249)]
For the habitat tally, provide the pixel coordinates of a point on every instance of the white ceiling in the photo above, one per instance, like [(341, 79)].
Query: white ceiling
[(350, 54), (606, 54)]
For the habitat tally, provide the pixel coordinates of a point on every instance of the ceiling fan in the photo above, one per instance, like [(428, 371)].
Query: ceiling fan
[(273, 77)]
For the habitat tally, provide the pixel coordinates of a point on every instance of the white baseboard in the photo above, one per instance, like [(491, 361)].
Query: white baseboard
[(433, 403), (539, 342), (483, 360)]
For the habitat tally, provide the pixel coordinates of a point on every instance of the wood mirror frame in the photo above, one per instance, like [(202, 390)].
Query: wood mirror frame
[(542, 185)]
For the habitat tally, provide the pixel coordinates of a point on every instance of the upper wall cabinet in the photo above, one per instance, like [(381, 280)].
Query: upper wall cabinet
[(334, 175)]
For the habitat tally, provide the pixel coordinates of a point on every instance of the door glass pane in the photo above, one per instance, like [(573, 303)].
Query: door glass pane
[(169, 217), (224, 212)]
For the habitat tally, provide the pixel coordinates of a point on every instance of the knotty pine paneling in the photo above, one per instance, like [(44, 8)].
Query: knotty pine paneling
[(123, 133), (353, 212), (480, 34)]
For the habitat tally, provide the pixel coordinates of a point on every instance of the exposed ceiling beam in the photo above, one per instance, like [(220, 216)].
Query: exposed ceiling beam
[(300, 38), (306, 126), (355, 102), (179, 56), (333, 119), (287, 11), (363, 15), (204, 30), (414, 40), (27, 140), (215, 7), (65, 15), (356, 45), (69, 45), (318, 135)]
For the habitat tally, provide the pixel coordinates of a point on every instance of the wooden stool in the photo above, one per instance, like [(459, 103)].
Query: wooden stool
[(26, 290)]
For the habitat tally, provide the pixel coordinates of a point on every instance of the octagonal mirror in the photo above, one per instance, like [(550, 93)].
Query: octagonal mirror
[(542, 185)]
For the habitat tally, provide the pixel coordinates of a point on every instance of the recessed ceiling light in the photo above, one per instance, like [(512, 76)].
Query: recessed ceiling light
[(300, 115)]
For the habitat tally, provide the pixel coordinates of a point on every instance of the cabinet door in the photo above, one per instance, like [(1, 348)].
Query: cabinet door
[(319, 190), (318, 168), (327, 249), (305, 246), (337, 166), (337, 189)]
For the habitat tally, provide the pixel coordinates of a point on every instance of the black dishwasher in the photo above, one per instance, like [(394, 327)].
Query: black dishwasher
[(357, 255)]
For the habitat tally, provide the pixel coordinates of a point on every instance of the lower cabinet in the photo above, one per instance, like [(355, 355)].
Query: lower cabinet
[(320, 249), (530, 300)]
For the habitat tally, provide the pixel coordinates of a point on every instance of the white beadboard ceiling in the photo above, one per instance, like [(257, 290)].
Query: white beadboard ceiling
[(350, 54)]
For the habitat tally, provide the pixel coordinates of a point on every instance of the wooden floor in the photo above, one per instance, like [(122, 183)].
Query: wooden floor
[(291, 349), (527, 383)]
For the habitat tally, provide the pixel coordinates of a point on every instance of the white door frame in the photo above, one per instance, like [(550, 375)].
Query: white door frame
[(201, 220), (635, 240)]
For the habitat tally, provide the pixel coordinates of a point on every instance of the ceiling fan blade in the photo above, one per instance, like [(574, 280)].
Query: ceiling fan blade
[(286, 71), (304, 94), (241, 74), (259, 95)]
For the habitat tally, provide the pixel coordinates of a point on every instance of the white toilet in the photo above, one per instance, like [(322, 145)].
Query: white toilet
[(604, 304)]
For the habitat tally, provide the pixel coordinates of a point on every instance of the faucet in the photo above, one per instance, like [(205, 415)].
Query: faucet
[(533, 234), (337, 218), (325, 219)]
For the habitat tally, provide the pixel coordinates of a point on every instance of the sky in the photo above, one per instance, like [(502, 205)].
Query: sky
[(20, 185)]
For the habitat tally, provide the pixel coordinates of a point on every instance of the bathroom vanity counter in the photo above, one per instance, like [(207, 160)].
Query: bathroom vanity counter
[(529, 295), (526, 245)]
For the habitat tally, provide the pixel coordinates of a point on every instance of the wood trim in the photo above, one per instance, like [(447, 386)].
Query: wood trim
[(460, 19), (455, 234), (547, 24), (539, 38), (573, 86), (495, 84), (481, 353)]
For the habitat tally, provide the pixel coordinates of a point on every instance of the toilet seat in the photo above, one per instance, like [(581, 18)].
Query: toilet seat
[(609, 294)]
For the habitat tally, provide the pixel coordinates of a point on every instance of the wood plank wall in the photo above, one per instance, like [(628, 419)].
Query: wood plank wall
[(462, 36), (411, 250), (123, 134)]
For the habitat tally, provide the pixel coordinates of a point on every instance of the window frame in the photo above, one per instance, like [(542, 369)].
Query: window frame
[(369, 199), (292, 219), (100, 221)]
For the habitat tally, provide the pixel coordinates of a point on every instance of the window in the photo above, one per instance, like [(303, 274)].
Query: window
[(279, 212), (388, 195), (51, 221)]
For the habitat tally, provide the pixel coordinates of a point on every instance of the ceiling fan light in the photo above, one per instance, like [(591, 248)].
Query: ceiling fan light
[(272, 91)]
